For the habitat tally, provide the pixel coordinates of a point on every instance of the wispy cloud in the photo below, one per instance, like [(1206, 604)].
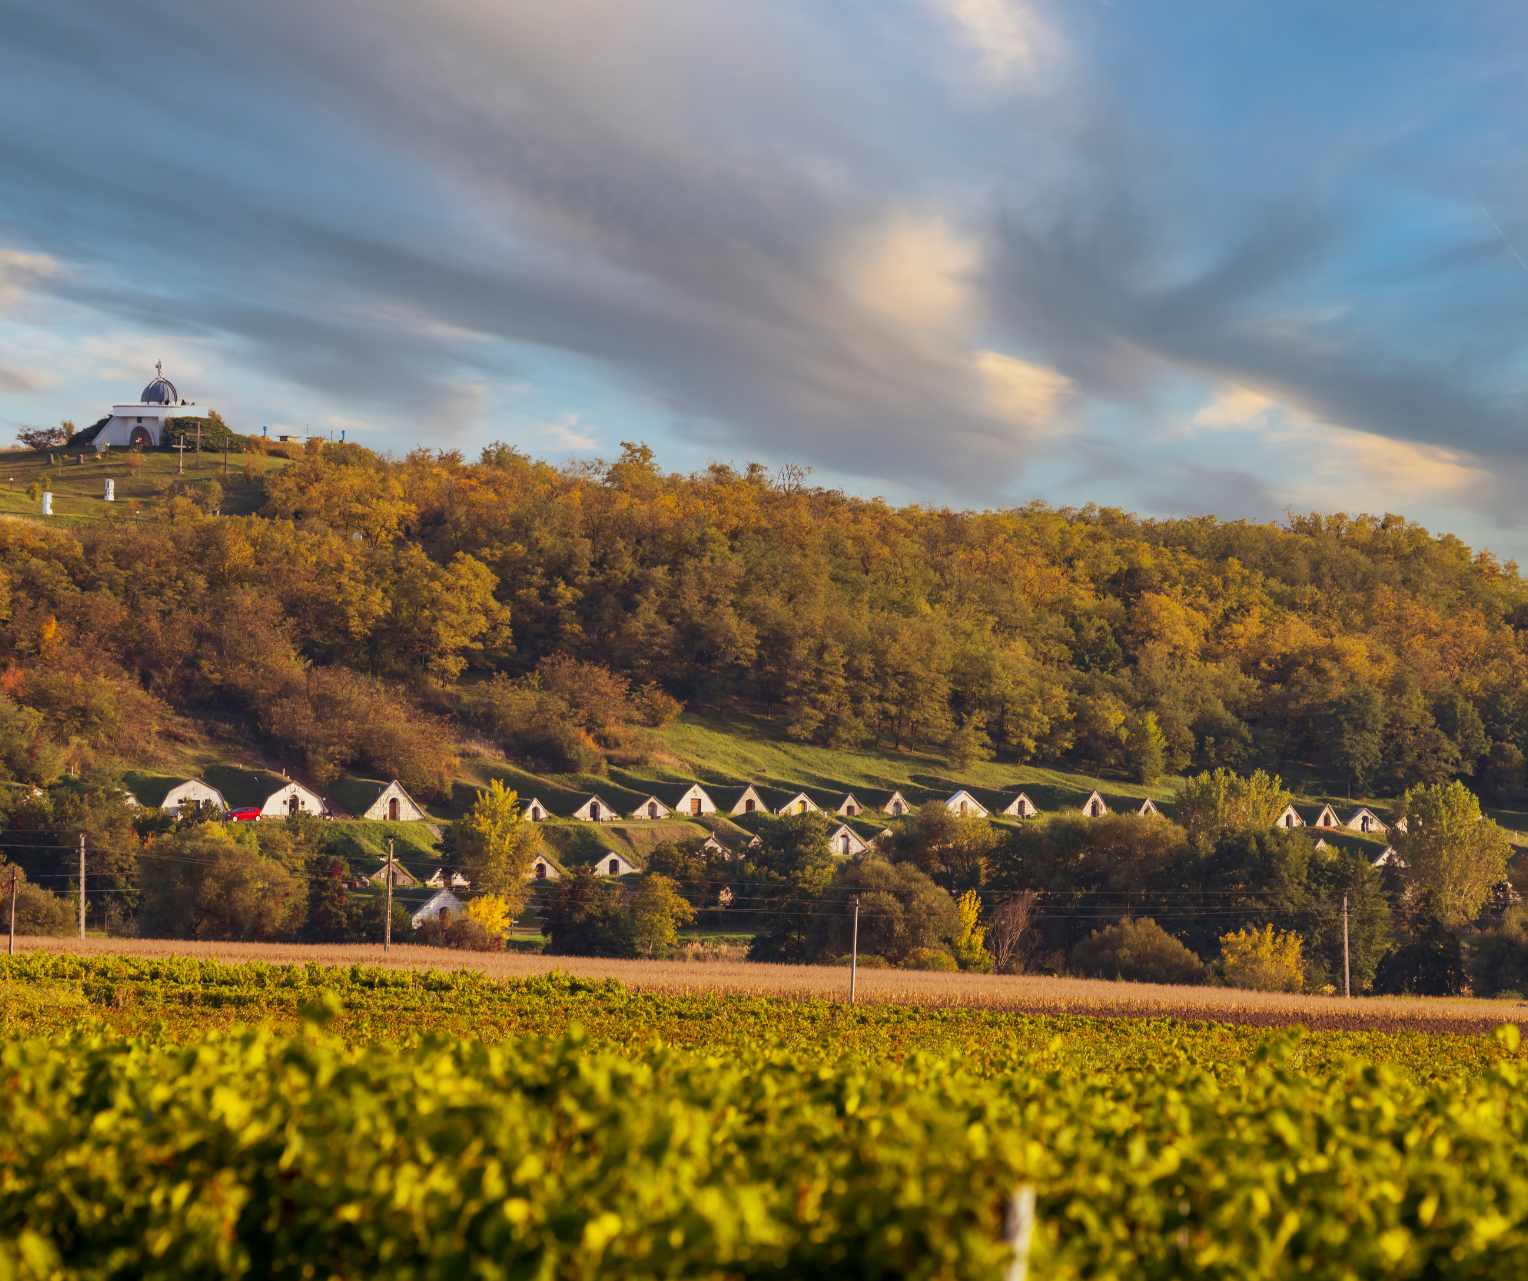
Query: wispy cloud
[(564, 435)]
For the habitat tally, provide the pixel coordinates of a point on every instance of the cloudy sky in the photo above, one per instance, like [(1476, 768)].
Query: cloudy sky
[(1231, 257)]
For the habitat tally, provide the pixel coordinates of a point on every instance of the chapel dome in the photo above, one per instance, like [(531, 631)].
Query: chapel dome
[(161, 391)]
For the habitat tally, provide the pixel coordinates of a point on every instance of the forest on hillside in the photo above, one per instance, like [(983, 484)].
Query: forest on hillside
[(382, 613)]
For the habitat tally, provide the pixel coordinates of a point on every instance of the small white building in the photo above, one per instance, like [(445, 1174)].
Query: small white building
[(846, 842), (146, 423), (292, 798), (896, 805), (379, 802), (881, 837), (748, 802), (1327, 819), (1020, 807), (651, 807), (436, 879), (534, 810), (1148, 809), (595, 810), (402, 877), (442, 905), (1364, 820), (612, 863), (1094, 806), (850, 807), (1388, 856), (1289, 818), (965, 805), (713, 846), (694, 802), (191, 793), (800, 803), (543, 869)]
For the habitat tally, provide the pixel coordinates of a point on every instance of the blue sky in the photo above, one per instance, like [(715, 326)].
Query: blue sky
[(1240, 258)]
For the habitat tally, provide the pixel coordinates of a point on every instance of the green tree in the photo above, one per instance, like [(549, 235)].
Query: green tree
[(1147, 747), (1357, 738), (1451, 854), (655, 910), (201, 883), (1209, 805), (953, 850), (495, 845), (1138, 950), (901, 911)]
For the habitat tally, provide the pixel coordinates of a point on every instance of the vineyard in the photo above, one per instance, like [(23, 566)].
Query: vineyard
[(175, 1118)]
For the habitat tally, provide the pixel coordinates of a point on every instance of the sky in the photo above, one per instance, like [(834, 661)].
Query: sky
[(1234, 258)]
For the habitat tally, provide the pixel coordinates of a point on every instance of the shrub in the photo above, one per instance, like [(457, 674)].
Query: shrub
[(1265, 960), (930, 958), (1138, 950), (38, 911)]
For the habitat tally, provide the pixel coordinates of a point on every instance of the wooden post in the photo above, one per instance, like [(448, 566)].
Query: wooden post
[(854, 953), (1347, 973), (10, 943), (82, 884), (1018, 1229), (387, 920)]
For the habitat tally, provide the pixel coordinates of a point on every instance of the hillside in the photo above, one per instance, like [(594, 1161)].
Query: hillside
[(143, 482), (432, 619)]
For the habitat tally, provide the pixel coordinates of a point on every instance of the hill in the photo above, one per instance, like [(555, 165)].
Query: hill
[(418, 617), (143, 482)]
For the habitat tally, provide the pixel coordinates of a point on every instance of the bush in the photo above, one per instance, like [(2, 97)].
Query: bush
[(1265, 960), (459, 932), (866, 961), (1140, 951), (930, 958), (38, 911)]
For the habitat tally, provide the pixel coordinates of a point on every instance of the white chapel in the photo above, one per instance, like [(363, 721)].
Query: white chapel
[(144, 423)]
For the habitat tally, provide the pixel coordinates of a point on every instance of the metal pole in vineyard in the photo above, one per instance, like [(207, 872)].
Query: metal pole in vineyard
[(1347, 973), (854, 953), (82, 884), (10, 943), (387, 920)]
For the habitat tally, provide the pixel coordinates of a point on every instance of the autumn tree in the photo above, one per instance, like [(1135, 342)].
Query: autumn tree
[(1451, 854), (495, 845), (1264, 959)]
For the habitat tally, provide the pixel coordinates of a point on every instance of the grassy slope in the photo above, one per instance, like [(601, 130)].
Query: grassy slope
[(77, 489)]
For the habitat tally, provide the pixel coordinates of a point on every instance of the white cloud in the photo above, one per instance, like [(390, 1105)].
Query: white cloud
[(914, 270), (19, 271), (1011, 41), (1334, 466), (566, 435), (1020, 391)]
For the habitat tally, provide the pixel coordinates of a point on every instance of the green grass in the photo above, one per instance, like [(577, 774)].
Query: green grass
[(78, 488)]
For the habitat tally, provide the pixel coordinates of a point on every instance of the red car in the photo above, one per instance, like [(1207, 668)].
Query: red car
[(246, 815)]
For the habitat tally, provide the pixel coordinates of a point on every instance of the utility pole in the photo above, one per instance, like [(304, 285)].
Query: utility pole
[(854, 953), (1347, 974), (387, 920), (180, 451), (10, 943), (198, 442), (82, 884)]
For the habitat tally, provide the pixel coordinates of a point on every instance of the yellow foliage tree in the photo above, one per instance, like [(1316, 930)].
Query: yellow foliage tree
[(971, 935), (1266, 959), (492, 912)]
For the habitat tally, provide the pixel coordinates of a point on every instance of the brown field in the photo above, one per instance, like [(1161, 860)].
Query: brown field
[(1021, 993)]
